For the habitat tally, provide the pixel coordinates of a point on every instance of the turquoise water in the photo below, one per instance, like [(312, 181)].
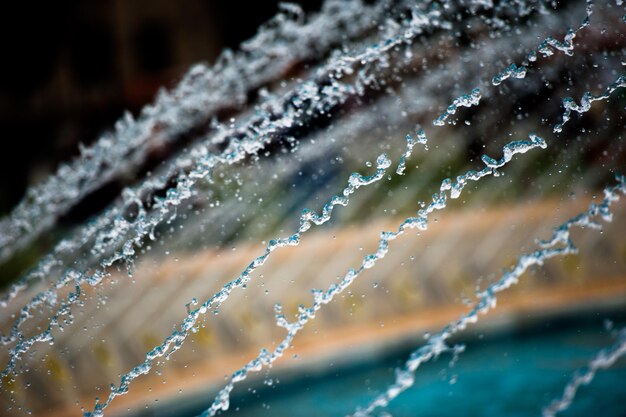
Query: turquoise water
[(513, 374)]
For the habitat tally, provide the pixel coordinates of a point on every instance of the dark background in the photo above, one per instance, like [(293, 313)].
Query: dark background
[(68, 69)]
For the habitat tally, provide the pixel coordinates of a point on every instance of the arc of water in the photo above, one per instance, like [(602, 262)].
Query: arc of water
[(72, 278), (269, 53), (235, 152), (559, 244), (604, 359), (175, 341), (198, 96), (439, 200), (144, 226), (258, 132), (466, 100), (172, 199), (258, 126), (510, 71), (410, 143), (587, 98), (546, 48)]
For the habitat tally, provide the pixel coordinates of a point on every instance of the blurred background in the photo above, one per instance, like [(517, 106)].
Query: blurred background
[(70, 69)]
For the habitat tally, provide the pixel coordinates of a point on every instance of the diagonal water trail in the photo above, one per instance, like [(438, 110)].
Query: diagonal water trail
[(559, 244), (175, 341), (585, 102), (74, 280), (410, 144), (116, 227), (264, 124), (235, 152), (165, 207), (466, 100), (512, 71), (311, 97), (439, 200), (114, 221), (546, 48), (202, 92), (604, 359)]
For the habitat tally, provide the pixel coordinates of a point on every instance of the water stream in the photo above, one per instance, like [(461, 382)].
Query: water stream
[(397, 113)]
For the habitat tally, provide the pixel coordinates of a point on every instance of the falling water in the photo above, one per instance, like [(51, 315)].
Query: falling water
[(559, 245), (603, 360), (472, 70)]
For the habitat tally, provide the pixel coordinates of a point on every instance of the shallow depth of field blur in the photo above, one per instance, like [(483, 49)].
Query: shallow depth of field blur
[(397, 193)]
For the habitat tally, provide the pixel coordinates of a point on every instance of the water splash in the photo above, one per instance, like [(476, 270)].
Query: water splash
[(200, 95), (602, 360), (559, 244), (282, 113), (510, 71), (466, 100), (113, 238), (114, 230), (570, 105), (546, 48), (202, 91), (410, 144), (175, 341), (320, 297)]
